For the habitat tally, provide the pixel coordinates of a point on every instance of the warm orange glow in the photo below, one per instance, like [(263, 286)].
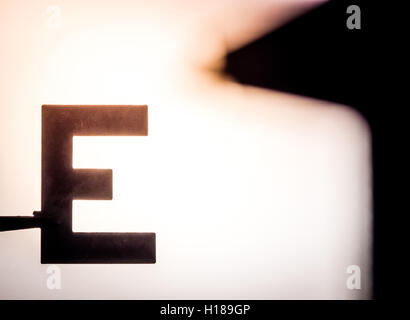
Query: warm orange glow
[(252, 193)]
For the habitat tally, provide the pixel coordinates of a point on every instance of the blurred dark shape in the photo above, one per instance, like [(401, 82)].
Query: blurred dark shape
[(316, 55)]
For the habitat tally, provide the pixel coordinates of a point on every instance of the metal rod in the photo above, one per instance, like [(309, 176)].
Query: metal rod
[(20, 222)]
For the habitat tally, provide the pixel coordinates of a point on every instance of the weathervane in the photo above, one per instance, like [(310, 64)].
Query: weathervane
[(61, 184)]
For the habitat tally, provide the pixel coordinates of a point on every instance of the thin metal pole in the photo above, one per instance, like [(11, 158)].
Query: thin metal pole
[(20, 222)]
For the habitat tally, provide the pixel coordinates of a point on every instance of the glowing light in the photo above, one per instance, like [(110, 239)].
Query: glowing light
[(252, 193)]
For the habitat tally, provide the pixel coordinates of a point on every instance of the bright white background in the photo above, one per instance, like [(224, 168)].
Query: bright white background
[(253, 194)]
